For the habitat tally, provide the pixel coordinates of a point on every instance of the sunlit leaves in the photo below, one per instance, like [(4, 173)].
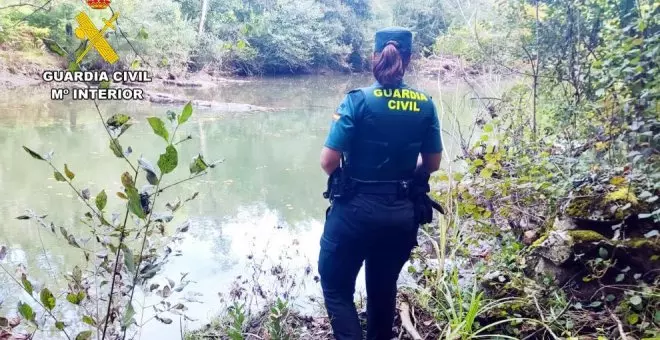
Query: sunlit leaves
[(88, 320), (158, 126), (86, 335), (76, 299), (59, 325), (26, 311), (187, 112), (68, 172), (169, 160), (198, 165), (101, 200), (47, 299), (118, 124), (27, 285)]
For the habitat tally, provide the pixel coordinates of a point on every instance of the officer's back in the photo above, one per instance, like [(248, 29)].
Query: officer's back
[(377, 136)]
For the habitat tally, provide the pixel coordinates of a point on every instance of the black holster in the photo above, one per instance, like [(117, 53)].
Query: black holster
[(339, 187), (423, 204)]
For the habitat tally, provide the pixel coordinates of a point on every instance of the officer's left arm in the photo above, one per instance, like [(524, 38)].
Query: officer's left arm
[(340, 136)]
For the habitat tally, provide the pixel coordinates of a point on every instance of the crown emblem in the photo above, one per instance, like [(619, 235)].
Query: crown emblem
[(99, 4)]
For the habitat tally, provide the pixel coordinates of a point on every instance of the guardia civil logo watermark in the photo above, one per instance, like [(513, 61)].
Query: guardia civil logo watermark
[(93, 39)]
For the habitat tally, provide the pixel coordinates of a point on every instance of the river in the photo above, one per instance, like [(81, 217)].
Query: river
[(264, 199)]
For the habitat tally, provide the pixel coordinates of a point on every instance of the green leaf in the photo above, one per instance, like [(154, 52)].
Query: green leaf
[(59, 325), (127, 320), (158, 126), (129, 260), (118, 120), (33, 154), (135, 64), (603, 253), (187, 112), (486, 173), (86, 335), (73, 66), (54, 47), (88, 320), (142, 34), (633, 318), (105, 85), (656, 317), (636, 300), (26, 311), (27, 285), (59, 177), (47, 299), (620, 277), (169, 160), (134, 204), (198, 165), (488, 128), (595, 304), (68, 172), (76, 299), (101, 200), (116, 148)]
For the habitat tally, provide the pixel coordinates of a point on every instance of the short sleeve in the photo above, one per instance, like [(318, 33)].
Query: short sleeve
[(343, 126), (432, 142)]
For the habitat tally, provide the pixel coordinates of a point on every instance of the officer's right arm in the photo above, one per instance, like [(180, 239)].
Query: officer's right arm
[(340, 136), (431, 150)]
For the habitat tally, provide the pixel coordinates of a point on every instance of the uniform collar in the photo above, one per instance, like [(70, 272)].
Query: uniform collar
[(377, 84)]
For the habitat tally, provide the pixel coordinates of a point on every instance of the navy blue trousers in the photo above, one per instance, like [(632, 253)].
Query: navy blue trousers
[(379, 231)]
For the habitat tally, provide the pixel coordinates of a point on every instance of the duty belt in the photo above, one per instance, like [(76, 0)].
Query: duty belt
[(400, 188)]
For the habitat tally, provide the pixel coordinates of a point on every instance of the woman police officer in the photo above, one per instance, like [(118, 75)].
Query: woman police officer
[(384, 134)]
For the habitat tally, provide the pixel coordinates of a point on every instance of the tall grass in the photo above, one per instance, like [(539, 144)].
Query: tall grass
[(459, 310)]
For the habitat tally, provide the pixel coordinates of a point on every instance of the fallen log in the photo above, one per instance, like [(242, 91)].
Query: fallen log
[(168, 99)]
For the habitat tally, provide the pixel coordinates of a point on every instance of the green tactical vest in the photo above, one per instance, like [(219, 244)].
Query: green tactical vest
[(390, 128)]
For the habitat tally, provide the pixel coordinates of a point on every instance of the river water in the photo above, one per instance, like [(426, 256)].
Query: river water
[(263, 203)]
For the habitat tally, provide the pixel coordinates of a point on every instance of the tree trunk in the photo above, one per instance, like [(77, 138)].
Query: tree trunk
[(202, 19)]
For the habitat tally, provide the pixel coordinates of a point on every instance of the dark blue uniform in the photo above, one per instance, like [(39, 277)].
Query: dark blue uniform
[(380, 132)]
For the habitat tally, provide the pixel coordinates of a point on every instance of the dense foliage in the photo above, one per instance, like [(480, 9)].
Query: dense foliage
[(240, 37)]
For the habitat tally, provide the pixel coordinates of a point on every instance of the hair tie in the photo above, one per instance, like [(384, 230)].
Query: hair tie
[(393, 43)]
